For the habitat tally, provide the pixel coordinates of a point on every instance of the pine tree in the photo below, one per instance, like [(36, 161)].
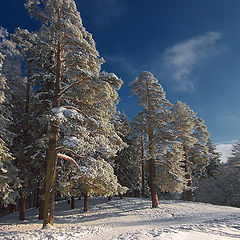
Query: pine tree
[(139, 144), (234, 159), (16, 95), (125, 165), (76, 91), (9, 181), (209, 188), (152, 97), (193, 135), (214, 161)]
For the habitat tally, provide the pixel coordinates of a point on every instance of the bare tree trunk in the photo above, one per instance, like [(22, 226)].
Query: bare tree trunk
[(142, 167), (52, 199), (152, 172), (37, 197), (52, 206), (188, 177), (41, 202), (109, 198), (121, 196), (29, 200), (51, 155), (85, 207), (22, 206), (41, 209), (72, 202), (153, 186)]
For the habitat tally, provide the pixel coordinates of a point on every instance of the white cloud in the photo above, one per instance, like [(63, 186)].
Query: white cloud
[(225, 150), (180, 60)]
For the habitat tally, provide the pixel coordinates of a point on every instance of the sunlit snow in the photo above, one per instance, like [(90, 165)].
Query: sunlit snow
[(130, 218)]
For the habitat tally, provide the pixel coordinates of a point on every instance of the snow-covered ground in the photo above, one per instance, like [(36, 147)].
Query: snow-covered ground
[(130, 218)]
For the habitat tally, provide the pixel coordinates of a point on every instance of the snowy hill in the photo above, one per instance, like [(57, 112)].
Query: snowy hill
[(130, 218)]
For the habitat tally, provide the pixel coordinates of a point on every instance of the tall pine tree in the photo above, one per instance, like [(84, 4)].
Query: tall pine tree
[(152, 97)]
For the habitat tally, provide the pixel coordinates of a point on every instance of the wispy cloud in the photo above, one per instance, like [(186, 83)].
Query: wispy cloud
[(180, 60), (122, 62), (107, 10), (231, 118)]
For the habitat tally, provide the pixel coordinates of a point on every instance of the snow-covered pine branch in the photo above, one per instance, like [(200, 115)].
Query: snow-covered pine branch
[(64, 90)]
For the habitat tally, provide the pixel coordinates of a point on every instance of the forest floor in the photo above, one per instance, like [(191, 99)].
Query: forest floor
[(130, 219)]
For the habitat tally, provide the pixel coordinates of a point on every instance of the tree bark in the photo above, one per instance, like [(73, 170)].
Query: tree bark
[(41, 202), (142, 167), (72, 202), (85, 207), (152, 168), (22, 206), (51, 155), (152, 172), (109, 198), (153, 186), (30, 201), (41, 209), (37, 197), (121, 196), (188, 177)]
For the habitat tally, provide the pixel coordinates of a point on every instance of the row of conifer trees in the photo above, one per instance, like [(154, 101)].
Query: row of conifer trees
[(60, 132)]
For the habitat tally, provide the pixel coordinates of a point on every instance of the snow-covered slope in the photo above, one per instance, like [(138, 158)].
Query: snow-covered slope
[(130, 218)]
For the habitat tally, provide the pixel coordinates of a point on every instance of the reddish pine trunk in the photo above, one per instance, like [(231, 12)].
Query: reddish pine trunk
[(153, 186), (41, 203), (121, 196), (152, 170), (51, 155), (41, 209), (142, 167), (72, 202), (52, 206), (188, 191), (85, 207), (22, 206), (52, 199)]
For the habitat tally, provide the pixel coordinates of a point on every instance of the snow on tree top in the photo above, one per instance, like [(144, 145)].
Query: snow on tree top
[(63, 113), (108, 75)]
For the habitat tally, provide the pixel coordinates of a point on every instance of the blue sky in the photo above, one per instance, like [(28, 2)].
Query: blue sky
[(191, 46)]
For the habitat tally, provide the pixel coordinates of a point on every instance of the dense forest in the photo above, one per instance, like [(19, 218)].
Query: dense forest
[(61, 135)]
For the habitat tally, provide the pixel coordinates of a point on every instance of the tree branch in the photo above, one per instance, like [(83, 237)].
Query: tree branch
[(77, 110), (63, 91), (58, 149), (65, 157), (73, 100)]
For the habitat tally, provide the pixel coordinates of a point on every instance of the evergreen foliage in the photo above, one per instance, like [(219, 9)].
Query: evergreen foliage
[(81, 101), (191, 132), (125, 163), (156, 111), (9, 181)]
